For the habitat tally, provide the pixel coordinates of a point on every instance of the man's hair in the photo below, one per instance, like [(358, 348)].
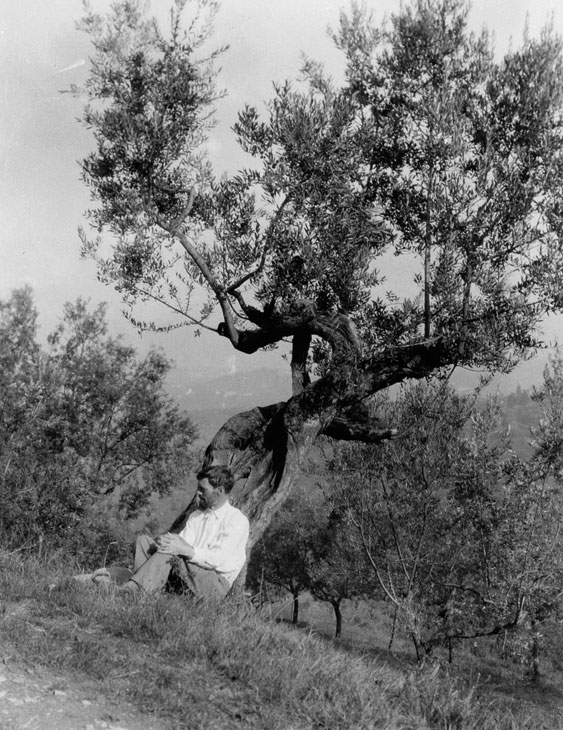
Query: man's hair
[(218, 476)]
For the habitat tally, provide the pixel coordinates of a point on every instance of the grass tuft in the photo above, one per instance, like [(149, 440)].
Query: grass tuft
[(226, 666)]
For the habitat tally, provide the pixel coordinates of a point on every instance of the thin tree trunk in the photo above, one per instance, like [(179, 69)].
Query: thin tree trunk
[(535, 654), (416, 647), (295, 613), (338, 617), (427, 256), (393, 628)]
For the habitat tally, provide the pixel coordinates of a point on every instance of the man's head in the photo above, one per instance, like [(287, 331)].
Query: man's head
[(214, 483)]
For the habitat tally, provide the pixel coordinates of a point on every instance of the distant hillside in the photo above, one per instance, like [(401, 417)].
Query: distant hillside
[(212, 402), (236, 392)]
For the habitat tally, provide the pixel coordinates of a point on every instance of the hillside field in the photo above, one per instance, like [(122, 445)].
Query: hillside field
[(234, 666)]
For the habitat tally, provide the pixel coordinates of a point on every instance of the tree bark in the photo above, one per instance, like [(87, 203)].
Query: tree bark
[(535, 653), (295, 610), (299, 374), (338, 618)]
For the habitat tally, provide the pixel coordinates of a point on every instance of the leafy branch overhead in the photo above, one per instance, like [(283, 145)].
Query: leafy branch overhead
[(431, 150), (433, 159)]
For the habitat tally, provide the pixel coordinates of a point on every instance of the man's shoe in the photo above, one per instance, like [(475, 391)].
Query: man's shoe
[(118, 574), (114, 575), (130, 587)]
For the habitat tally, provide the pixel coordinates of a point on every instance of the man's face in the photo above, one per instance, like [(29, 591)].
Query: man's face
[(208, 495)]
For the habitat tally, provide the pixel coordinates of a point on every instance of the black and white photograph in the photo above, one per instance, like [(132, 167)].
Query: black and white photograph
[(281, 365)]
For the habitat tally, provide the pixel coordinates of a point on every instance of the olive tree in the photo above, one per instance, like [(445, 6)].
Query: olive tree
[(87, 433), (281, 557), (432, 157), (431, 515), (337, 568)]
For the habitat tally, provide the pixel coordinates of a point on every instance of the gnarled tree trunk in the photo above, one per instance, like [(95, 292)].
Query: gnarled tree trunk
[(266, 446)]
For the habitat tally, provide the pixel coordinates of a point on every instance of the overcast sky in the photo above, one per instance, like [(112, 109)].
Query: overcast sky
[(42, 200)]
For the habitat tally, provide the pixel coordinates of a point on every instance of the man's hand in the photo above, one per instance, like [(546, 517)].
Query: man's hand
[(172, 544)]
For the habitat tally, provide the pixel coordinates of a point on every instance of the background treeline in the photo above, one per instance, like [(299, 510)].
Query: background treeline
[(447, 525), (87, 432)]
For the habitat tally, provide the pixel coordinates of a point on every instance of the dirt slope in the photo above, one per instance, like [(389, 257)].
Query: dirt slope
[(35, 698)]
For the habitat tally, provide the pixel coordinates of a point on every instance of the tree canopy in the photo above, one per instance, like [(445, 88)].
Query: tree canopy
[(433, 157), (462, 535), (85, 426)]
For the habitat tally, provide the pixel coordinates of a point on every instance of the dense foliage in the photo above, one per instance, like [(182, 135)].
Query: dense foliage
[(461, 535), (281, 557), (447, 524), (432, 150), (309, 548), (85, 425)]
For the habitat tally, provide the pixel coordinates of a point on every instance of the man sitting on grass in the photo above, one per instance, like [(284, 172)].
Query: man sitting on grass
[(207, 555)]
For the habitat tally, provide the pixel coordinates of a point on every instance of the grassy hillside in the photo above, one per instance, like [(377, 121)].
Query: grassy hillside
[(232, 666)]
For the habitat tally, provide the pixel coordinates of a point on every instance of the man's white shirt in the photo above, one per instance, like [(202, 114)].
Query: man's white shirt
[(219, 539)]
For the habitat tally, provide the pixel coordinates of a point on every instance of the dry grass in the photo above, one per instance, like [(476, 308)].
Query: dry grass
[(226, 667)]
